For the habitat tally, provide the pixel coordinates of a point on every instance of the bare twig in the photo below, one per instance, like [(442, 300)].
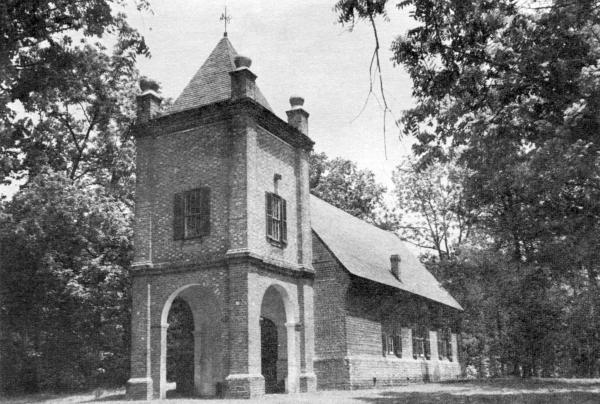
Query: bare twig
[(375, 60)]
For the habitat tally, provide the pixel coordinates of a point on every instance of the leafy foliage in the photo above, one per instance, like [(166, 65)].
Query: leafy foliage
[(342, 184), (65, 237), (433, 209), (64, 84), (509, 91), (65, 248)]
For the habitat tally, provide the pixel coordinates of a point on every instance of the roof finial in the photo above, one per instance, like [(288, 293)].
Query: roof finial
[(226, 18)]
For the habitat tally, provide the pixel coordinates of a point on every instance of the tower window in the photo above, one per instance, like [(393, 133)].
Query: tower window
[(191, 214), (276, 214)]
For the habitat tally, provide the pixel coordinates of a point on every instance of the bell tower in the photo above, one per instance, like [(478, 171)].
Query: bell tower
[(222, 222)]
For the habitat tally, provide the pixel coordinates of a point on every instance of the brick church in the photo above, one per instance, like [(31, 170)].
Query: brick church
[(284, 292)]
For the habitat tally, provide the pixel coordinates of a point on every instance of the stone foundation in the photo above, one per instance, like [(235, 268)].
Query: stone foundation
[(372, 372)]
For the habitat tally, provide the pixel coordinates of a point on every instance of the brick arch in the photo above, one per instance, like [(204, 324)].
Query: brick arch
[(206, 311), (288, 304), (273, 294)]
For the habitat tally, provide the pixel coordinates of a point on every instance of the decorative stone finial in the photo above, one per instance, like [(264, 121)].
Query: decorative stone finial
[(149, 84), (296, 101), (297, 116), (242, 61)]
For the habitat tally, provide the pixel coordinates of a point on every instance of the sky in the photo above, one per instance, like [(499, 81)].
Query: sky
[(297, 48)]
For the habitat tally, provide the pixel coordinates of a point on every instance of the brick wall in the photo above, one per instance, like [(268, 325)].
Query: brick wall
[(350, 316), (177, 162), (373, 309), (269, 155), (236, 158), (330, 285)]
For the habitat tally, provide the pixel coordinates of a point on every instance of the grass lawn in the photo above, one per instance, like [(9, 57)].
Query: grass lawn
[(504, 391)]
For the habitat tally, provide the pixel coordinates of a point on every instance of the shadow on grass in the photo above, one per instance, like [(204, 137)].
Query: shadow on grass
[(519, 398)]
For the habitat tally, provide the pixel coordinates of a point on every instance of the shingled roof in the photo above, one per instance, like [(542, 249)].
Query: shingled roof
[(364, 250), (212, 82)]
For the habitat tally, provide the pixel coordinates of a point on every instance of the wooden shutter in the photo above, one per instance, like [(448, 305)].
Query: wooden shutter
[(427, 346), (414, 344), (178, 217), (398, 346), (269, 213), (449, 346), (440, 344), (384, 343), (204, 211), (283, 221)]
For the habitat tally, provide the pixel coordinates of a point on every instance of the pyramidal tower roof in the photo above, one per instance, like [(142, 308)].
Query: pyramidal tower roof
[(212, 82)]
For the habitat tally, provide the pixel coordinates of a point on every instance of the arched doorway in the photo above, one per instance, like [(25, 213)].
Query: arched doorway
[(277, 342), (180, 348), (269, 355), (191, 356)]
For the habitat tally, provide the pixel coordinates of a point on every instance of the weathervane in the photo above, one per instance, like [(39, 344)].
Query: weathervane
[(226, 18)]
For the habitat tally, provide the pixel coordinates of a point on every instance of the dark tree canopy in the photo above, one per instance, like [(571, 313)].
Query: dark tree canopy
[(65, 237), (510, 91)]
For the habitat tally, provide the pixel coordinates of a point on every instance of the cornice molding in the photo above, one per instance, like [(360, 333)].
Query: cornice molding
[(224, 110), (232, 257)]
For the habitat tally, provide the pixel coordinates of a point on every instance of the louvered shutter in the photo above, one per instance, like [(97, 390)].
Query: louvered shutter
[(398, 346), (283, 221), (178, 217), (440, 345), (427, 346), (204, 212), (384, 344), (449, 347), (268, 213), (415, 345)]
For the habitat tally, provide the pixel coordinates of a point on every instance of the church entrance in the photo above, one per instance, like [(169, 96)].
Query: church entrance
[(274, 342), (191, 355), (269, 347), (180, 348)]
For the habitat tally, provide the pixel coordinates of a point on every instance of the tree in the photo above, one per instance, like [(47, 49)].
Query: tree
[(65, 237), (41, 62), (36, 38), (510, 91), (432, 207), (65, 249), (342, 184)]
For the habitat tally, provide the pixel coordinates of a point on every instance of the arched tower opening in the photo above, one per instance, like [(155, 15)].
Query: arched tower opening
[(277, 344), (180, 348), (191, 344)]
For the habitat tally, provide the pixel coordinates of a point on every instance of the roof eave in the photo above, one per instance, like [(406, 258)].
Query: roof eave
[(458, 307)]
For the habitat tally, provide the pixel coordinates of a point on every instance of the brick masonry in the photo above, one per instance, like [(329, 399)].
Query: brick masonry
[(352, 314), (223, 276)]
